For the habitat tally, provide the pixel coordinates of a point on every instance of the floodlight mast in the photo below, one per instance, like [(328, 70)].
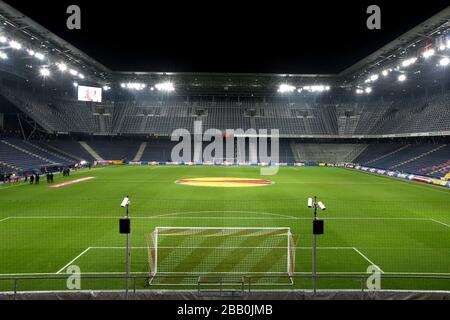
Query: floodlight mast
[(317, 229)]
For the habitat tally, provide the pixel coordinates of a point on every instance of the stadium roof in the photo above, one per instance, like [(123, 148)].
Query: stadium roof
[(225, 81)]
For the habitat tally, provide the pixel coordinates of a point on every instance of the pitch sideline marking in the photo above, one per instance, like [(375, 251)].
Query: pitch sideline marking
[(441, 223), (72, 261), (367, 259), (7, 218)]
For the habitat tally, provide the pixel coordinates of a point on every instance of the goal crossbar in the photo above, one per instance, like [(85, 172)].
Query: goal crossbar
[(221, 250)]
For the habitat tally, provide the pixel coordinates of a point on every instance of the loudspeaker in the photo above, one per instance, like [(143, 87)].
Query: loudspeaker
[(318, 227), (124, 226)]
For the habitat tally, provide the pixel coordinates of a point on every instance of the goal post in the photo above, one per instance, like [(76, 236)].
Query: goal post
[(204, 251)]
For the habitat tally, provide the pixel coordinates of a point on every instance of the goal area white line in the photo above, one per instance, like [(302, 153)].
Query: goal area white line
[(181, 247)]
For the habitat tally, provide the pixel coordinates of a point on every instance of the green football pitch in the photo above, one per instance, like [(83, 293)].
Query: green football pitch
[(401, 227)]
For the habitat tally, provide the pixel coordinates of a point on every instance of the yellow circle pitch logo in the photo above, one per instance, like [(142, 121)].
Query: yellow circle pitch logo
[(224, 182)]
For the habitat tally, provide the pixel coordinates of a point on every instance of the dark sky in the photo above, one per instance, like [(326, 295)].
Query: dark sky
[(229, 36)]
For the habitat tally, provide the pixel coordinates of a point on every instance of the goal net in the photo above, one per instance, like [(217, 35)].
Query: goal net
[(200, 251)]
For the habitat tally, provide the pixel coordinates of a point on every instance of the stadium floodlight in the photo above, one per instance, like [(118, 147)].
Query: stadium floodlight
[(31, 52), (3, 39), (321, 206), (123, 85), (374, 77), (444, 62), (73, 72), (408, 62), (39, 56), (368, 90), (81, 76), (385, 73), (75, 84), (318, 229), (125, 227), (359, 91), (125, 202), (106, 88), (401, 77), (3, 56), (428, 53), (15, 45), (44, 72), (165, 86), (135, 86), (62, 67), (285, 88)]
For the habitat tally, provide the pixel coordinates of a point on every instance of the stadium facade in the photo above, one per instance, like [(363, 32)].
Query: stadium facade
[(390, 111)]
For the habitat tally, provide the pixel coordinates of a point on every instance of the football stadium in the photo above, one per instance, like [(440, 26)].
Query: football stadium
[(193, 185)]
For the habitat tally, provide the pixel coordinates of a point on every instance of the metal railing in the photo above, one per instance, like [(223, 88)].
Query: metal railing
[(249, 284)]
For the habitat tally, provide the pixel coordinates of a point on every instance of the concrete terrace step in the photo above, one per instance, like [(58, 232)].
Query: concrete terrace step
[(418, 157), (91, 151), (28, 152), (140, 152), (388, 154)]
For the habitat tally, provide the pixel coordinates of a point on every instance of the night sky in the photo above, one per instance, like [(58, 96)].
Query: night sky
[(228, 36)]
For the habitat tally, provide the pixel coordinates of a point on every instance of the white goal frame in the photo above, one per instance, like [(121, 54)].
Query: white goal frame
[(153, 249)]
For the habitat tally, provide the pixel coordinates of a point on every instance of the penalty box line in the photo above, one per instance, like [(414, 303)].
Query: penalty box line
[(142, 248)]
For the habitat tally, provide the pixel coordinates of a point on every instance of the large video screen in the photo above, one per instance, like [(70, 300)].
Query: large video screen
[(91, 94)]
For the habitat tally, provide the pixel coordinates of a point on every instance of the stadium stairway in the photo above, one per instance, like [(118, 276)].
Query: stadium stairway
[(91, 151), (418, 157), (388, 154), (28, 152), (66, 154), (140, 152), (51, 155)]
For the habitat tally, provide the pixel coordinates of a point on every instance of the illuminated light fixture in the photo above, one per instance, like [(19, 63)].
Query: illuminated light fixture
[(39, 56), (15, 45), (444, 62), (75, 84), (283, 88), (134, 86), (123, 85), (73, 72), (359, 91), (442, 47), (106, 88), (368, 90), (168, 87), (385, 73), (152, 88), (44, 72), (62, 67), (428, 53), (374, 77), (316, 88), (3, 39), (401, 77), (81, 76), (31, 52), (408, 62), (3, 56)]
